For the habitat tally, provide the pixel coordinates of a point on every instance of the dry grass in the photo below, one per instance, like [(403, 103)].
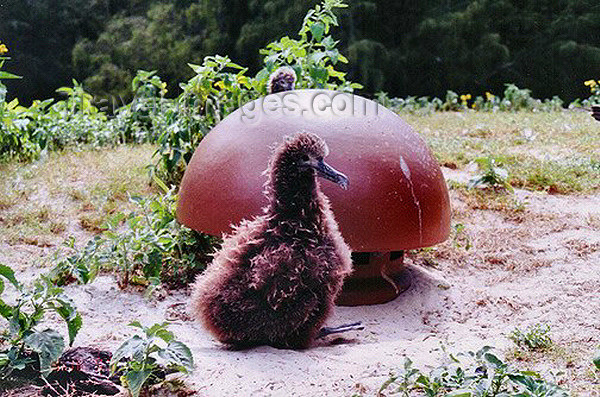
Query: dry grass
[(496, 231), (65, 193), (556, 152)]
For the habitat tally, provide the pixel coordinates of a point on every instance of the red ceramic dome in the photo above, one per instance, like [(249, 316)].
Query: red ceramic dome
[(397, 198)]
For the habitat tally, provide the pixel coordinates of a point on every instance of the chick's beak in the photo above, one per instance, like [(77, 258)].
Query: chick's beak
[(328, 172)]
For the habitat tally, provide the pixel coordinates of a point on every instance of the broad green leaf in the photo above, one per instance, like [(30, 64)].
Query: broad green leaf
[(596, 359), (317, 29), (135, 381), (64, 307), (160, 331), (131, 347), (16, 323), (319, 74), (531, 373), (177, 353), (49, 345), (5, 310), (74, 326), (6, 75), (65, 90), (234, 65), (13, 104), (492, 359), (83, 273), (9, 274)]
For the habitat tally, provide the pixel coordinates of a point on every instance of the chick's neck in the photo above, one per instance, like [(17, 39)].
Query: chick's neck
[(295, 197)]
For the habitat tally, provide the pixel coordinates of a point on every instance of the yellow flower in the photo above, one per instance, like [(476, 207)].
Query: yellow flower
[(3, 49), (489, 96), (590, 83)]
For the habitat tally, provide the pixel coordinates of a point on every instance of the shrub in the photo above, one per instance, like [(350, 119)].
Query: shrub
[(209, 96), (491, 174), (27, 345), (471, 374), (82, 266), (144, 361), (535, 337), (142, 120), (152, 247), (314, 55), (514, 99), (148, 247)]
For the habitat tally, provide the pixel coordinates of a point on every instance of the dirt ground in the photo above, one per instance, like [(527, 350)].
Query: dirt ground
[(535, 259)]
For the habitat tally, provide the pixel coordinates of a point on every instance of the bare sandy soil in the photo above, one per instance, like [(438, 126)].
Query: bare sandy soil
[(536, 262)]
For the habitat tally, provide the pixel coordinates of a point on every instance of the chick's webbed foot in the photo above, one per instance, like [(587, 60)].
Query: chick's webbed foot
[(325, 331)]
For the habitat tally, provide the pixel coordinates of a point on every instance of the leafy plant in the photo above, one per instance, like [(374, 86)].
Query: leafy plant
[(153, 247), (27, 345), (471, 374), (143, 119), (535, 337), (147, 247), (314, 55), (513, 99), (492, 175), (82, 266), (25, 133), (4, 74), (145, 360), (218, 88), (461, 238), (594, 86), (596, 359)]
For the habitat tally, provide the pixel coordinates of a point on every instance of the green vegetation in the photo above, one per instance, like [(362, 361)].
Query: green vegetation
[(492, 175), (471, 374), (24, 347), (596, 359), (514, 99), (153, 248), (144, 361), (535, 337), (146, 247)]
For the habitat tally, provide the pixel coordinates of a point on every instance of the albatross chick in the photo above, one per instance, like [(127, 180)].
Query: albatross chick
[(276, 277)]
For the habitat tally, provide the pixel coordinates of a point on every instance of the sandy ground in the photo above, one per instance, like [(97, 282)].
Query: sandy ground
[(540, 264)]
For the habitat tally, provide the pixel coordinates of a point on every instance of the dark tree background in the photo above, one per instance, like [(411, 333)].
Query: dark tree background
[(404, 47)]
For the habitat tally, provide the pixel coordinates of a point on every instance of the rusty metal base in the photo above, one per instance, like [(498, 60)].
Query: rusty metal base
[(378, 277)]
